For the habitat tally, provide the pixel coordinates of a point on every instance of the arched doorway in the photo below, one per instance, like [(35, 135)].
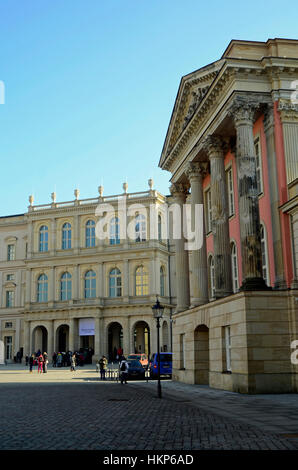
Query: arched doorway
[(115, 340), (142, 338), (165, 337), (62, 338), (40, 339), (201, 342)]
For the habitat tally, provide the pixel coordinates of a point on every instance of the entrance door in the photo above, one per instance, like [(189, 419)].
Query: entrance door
[(8, 348)]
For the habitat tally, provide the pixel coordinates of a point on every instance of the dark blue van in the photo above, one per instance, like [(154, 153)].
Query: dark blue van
[(166, 361)]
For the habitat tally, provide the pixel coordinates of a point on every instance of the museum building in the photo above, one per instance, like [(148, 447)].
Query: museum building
[(64, 289), (232, 144)]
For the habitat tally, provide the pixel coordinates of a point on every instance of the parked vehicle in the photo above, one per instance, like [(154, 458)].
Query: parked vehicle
[(135, 370), (166, 360), (139, 357)]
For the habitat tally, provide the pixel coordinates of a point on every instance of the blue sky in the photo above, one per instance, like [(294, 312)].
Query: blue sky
[(90, 86)]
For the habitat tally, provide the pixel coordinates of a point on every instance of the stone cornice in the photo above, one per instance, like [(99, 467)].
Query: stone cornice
[(233, 68), (288, 111)]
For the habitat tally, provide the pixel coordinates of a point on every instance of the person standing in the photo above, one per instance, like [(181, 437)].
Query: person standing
[(103, 363), (27, 360), (40, 363), (31, 361), (123, 370)]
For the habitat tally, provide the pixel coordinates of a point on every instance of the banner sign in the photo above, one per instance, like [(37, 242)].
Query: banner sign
[(86, 327), (1, 352)]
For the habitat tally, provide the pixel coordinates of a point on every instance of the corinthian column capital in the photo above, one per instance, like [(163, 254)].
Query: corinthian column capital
[(213, 145), (196, 170), (243, 110), (179, 189)]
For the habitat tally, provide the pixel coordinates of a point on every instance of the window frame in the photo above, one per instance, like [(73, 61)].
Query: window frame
[(114, 231), (42, 288), (259, 168), (43, 244), (116, 289), (90, 234), (91, 288), (230, 190), (66, 236), (11, 252), (141, 231), (141, 288), (65, 286)]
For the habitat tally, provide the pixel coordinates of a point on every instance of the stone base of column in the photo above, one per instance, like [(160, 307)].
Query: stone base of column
[(280, 285), (181, 308), (254, 283), (198, 302), (219, 294), (294, 284)]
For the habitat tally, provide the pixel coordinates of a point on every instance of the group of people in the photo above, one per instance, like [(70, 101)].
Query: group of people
[(102, 365), (40, 359)]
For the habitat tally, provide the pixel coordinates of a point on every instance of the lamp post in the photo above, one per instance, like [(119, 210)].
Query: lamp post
[(157, 310)]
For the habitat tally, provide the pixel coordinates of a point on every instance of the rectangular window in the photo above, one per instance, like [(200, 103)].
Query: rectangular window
[(182, 351), (208, 211), (9, 298), (11, 252), (8, 324), (10, 277), (228, 347), (230, 189), (259, 166)]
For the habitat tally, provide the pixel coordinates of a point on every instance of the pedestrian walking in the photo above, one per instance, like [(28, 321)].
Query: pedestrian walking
[(59, 359), (54, 357), (45, 363), (103, 363), (123, 370), (31, 362), (40, 363), (73, 363), (27, 359)]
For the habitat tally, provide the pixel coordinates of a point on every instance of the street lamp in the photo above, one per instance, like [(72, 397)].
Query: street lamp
[(157, 310)]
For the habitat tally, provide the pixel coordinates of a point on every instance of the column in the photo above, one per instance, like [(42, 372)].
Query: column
[(127, 340), (100, 281), (50, 340), (52, 285), (179, 192), (152, 278), (76, 283), (125, 280), (195, 173), (17, 336), (274, 198), (102, 350), (243, 113), (96, 340), (76, 232), (53, 242), (220, 219), (27, 338), (28, 285), (30, 240)]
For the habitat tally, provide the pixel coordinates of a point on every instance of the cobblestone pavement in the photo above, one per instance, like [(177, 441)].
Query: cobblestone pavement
[(89, 414)]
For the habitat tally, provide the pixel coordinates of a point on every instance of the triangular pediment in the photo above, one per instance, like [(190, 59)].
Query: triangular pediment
[(192, 90)]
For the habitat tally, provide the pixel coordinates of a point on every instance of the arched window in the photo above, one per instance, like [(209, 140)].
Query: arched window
[(65, 286), (211, 277), (162, 281), (115, 283), (159, 224), (234, 265), (140, 228), (114, 231), (90, 234), (142, 281), (42, 288), (265, 265), (43, 238), (90, 285), (66, 236)]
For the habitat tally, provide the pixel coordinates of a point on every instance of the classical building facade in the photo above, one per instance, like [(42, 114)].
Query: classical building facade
[(232, 145), (65, 288)]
